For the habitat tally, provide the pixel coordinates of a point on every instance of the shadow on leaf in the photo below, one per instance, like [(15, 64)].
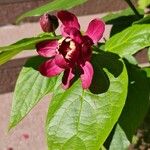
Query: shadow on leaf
[(102, 61), (137, 100), (137, 103), (35, 62), (100, 82), (121, 23)]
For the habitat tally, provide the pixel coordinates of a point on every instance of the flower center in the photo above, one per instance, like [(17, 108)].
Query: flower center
[(67, 48)]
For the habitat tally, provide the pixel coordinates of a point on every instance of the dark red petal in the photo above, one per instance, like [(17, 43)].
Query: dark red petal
[(67, 78), (87, 75), (63, 33), (47, 48), (73, 33), (50, 68), (86, 48), (68, 19), (95, 30), (60, 61)]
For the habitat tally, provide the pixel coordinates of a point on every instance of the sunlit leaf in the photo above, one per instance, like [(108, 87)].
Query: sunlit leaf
[(121, 19), (129, 41), (119, 140), (49, 7), (30, 88), (5, 56), (79, 119), (143, 3), (27, 43), (117, 17)]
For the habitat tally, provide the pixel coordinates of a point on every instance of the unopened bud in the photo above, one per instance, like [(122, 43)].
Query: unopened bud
[(49, 23)]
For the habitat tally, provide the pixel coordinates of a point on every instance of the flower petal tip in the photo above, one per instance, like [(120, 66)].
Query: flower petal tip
[(50, 68), (47, 48), (68, 19), (96, 29)]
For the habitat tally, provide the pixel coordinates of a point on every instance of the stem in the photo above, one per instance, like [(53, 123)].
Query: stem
[(133, 8)]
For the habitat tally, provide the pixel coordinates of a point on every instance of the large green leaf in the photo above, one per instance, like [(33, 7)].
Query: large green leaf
[(130, 40), (27, 43), (54, 5), (137, 102), (31, 86), (119, 141), (80, 120), (143, 3)]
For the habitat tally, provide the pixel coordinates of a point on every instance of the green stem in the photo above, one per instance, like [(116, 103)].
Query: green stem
[(133, 8)]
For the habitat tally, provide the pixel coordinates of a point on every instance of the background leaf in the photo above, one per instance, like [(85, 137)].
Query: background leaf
[(131, 59), (5, 56), (137, 103), (130, 40), (145, 20), (147, 70), (143, 3), (116, 17), (121, 20), (54, 5), (31, 86), (79, 119), (27, 43), (119, 141)]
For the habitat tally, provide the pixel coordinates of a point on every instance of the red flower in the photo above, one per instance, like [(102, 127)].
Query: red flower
[(73, 52)]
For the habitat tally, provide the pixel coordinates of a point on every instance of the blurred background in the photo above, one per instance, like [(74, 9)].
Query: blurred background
[(10, 9)]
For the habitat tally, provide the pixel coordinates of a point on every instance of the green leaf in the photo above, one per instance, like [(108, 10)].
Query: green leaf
[(7, 52), (117, 17), (5, 56), (27, 43), (119, 141), (121, 20), (31, 86), (147, 70), (137, 102), (129, 41), (54, 5), (79, 119), (143, 3), (102, 148), (131, 59), (145, 20)]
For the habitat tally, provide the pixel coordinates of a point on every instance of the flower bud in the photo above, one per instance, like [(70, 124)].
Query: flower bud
[(49, 23)]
